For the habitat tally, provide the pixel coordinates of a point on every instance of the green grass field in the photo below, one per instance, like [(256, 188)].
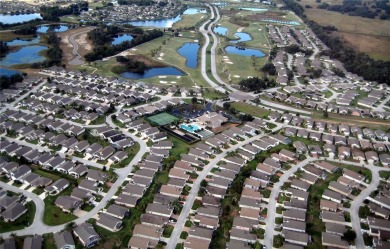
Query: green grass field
[(250, 109)]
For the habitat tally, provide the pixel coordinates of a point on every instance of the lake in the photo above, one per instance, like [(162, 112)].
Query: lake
[(11, 19), (244, 51), (190, 51), (220, 30), (153, 72), (24, 42), (54, 28), (163, 23), (25, 55), (254, 9), (8, 72), (121, 38), (193, 11), (243, 37)]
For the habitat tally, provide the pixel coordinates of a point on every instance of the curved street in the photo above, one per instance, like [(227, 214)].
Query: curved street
[(77, 60), (38, 227), (196, 186)]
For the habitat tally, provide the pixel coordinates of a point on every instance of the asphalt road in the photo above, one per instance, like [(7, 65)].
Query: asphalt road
[(204, 53), (77, 60)]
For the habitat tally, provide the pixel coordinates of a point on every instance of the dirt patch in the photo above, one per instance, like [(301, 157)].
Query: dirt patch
[(228, 12), (224, 127), (84, 45)]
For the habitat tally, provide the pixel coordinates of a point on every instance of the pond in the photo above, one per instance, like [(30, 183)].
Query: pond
[(244, 51), (193, 11), (24, 42), (25, 55), (54, 28), (11, 19), (163, 23), (8, 72), (121, 38), (190, 51), (220, 30), (253, 9), (243, 37), (159, 71)]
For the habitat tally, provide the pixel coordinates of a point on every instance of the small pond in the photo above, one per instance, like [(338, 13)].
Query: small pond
[(244, 51), (8, 72), (24, 42), (121, 38), (220, 30), (163, 23), (193, 11), (25, 55), (153, 72), (190, 51), (243, 37), (11, 19), (254, 9), (54, 28)]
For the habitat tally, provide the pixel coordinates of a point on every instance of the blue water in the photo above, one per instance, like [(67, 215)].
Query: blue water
[(283, 22), (54, 28), (165, 23), (243, 37), (121, 38), (244, 52), (7, 72), (220, 30), (23, 42), (159, 71), (190, 51), (192, 11), (254, 9), (11, 19), (25, 55), (190, 128)]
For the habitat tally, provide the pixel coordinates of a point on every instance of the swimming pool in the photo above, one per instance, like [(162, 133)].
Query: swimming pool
[(192, 128)]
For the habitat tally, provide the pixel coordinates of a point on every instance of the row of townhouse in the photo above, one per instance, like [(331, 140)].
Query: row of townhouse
[(18, 88), (11, 207), (158, 213), (329, 107)]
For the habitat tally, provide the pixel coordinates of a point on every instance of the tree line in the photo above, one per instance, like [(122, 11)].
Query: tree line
[(26, 30), (256, 84), (102, 51), (53, 54), (3, 47), (53, 13), (354, 61), (8, 81), (360, 8), (129, 65)]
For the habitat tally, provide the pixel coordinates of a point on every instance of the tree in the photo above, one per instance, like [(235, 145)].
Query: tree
[(349, 235), (226, 106), (204, 183), (194, 100), (70, 225), (325, 114), (364, 211), (278, 241)]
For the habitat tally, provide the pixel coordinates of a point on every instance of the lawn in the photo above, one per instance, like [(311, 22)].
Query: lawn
[(132, 151), (188, 21), (23, 221), (53, 215), (250, 109)]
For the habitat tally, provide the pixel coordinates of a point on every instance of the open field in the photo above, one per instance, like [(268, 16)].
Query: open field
[(85, 45), (371, 36), (242, 67), (250, 109), (190, 20)]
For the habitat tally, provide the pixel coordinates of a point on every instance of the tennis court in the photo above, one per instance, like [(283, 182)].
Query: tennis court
[(162, 119)]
